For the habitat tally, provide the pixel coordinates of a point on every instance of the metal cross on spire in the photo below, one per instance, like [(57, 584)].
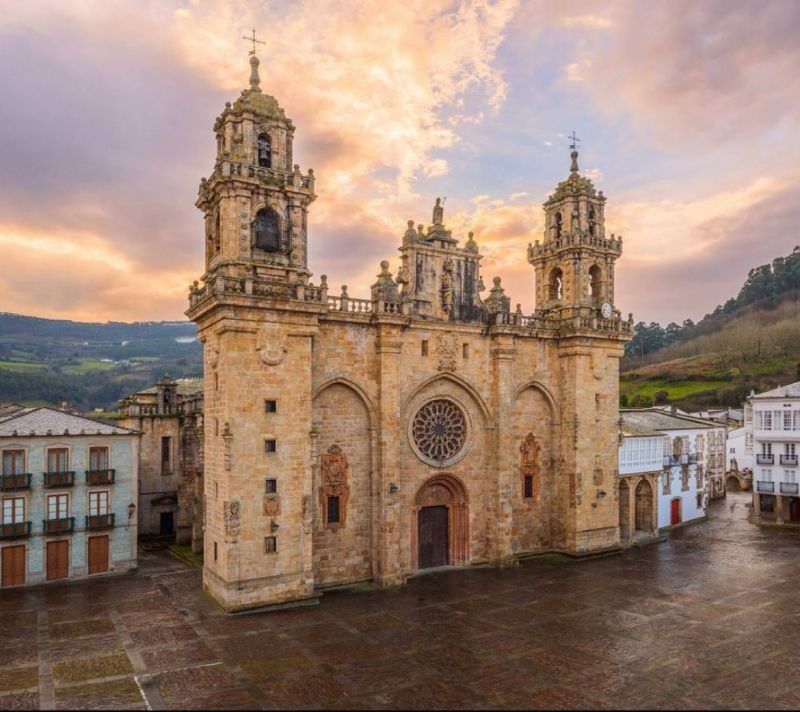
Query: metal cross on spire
[(254, 41), (574, 140)]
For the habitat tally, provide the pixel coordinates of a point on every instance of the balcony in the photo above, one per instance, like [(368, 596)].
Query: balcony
[(59, 526), (59, 479), (100, 521), (671, 460), (17, 530), (14, 483), (767, 487), (100, 477), (789, 488), (765, 459), (789, 460)]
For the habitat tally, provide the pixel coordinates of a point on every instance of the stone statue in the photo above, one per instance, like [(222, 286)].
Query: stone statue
[(446, 285), (438, 212)]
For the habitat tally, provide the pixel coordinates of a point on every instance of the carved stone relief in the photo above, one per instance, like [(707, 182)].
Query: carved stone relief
[(446, 351), (227, 455), (270, 352), (529, 464), (232, 520), (335, 482), (272, 505)]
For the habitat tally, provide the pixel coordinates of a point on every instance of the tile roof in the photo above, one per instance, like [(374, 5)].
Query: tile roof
[(790, 391), (649, 421), (185, 387), (49, 421)]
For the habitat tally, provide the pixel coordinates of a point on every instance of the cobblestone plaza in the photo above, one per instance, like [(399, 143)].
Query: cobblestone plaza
[(707, 619)]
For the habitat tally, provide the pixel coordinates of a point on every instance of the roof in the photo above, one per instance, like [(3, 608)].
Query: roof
[(651, 421), (790, 391), (49, 421), (185, 387)]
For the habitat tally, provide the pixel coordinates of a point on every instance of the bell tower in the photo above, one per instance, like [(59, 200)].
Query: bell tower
[(574, 265)]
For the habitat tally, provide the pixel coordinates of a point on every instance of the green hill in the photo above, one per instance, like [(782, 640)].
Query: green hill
[(91, 365)]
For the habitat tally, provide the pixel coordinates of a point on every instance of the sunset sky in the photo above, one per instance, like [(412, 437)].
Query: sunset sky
[(688, 114)]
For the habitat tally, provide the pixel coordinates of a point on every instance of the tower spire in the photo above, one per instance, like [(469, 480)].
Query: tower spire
[(574, 141), (255, 81)]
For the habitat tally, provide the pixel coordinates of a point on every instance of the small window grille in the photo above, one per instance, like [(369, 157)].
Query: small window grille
[(528, 487), (270, 446), (333, 510), (424, 347), (270, 406), (270, 544), (271, 486)]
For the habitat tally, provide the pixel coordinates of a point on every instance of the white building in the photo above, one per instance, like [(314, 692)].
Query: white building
[(663, 481), (69, 490), (773, 418)]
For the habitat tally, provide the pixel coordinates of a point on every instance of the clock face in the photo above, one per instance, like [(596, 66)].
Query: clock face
[(606, 311)]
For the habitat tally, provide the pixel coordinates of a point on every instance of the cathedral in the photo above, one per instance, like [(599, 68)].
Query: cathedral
[(354, 438)]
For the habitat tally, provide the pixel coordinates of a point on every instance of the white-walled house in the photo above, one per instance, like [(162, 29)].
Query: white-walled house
[(69, 487), (773, 418), (663, 482)]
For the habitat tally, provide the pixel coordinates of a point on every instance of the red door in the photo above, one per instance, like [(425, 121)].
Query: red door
[(57, 560), (13, 563), (675, 514), (98, 554)]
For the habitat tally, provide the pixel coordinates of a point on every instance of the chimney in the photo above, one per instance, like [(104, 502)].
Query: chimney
[(673, 409)]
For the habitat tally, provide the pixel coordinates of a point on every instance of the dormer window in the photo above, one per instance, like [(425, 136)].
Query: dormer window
[(267, 227), (264, 151)]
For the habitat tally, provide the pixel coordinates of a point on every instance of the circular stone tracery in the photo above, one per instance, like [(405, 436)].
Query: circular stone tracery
[(439, 430)]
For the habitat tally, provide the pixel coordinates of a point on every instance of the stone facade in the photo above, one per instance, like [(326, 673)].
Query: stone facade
[(354, 439), (170, 418)]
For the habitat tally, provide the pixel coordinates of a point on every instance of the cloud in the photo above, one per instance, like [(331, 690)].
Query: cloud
[(587, 21)]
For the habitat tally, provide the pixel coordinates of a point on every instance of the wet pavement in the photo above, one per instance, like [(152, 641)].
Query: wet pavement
[(707, 619)]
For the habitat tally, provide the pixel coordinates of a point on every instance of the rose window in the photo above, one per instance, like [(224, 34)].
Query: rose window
[(439, 430)]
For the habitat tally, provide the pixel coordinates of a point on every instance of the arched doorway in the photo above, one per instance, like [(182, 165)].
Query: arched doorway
[(644, 506), (440, 527), (732, 484), (624, 511)]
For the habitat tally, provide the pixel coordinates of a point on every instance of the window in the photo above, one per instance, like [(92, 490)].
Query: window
[(13, 462), (215, 551), (766, 417), (14, 510), (98, 458), (57, 506), (424, 347), (767, 503), (787, 420), (166, 455), (270, 544), (267, 226), (270, 445), (595, 281), (790, 476), (465, 350), (558, 220), (98, 503), (271, 486), (789, 449), (264, 151), (766, 475), (333, 510), (270, 406), (766, 448), (555, 284), (592, 221), (699, 500), (528, 487), (58, 460)]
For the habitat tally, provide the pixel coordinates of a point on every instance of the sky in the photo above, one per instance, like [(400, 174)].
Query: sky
[(688, 113)]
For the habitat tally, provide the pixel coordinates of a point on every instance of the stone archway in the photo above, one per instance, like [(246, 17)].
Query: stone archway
[(440, 523), (732, 484), (644, 507)]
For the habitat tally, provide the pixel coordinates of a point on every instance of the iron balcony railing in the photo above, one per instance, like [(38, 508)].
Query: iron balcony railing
[(59, 526), (100, 477), (17, 530), (672, 460), (765, 459), (789, 488), (100, 521), (765, 486), (59, 479), (788, 459), (12, 483)]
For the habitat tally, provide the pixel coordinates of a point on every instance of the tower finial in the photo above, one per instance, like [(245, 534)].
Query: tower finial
[(255, 81), (574, 141)]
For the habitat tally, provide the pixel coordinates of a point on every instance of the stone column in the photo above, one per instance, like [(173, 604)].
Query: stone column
[(505, 450), (391, 517)]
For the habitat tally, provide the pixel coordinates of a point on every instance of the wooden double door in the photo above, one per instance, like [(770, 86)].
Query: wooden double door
[(57, 556), (433, 537), (13, 566), (98, 554)]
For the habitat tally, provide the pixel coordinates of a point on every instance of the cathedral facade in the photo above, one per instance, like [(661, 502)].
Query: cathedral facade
[(364, 439)]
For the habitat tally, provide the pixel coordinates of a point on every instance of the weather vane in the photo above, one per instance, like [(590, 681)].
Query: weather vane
[(575, 140), (254, 41)]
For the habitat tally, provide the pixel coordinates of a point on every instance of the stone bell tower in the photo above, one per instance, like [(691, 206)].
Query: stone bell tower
[(575, 263), (256, 314)]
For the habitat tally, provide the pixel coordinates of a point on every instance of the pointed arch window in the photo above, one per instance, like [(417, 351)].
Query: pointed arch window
[(267, 229), (595, 282), (592, 221), (557, 224), (264, 150)]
